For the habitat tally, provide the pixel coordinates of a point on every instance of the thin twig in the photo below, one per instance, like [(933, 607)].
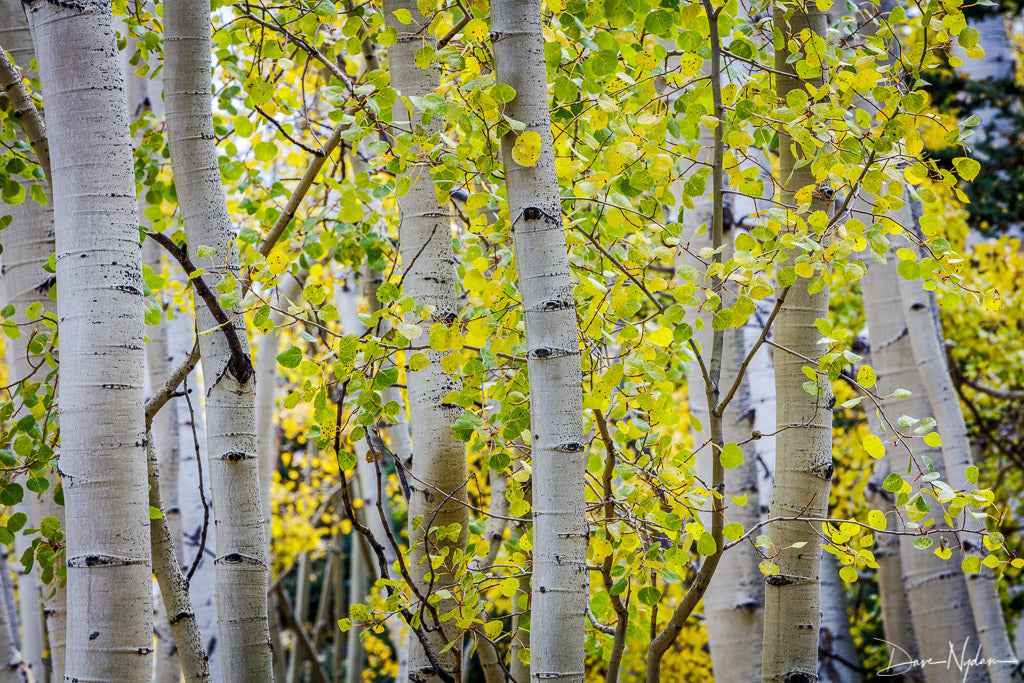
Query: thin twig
[(202, 492), (167, 391)]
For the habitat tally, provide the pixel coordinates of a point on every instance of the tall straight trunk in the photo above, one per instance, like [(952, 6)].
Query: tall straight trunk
[(936, 589), (734, 600), (28, 244), (560, 581), (803, 457), (241, 565), (190, 434), (100, 320), (928, 346), (428, 272)]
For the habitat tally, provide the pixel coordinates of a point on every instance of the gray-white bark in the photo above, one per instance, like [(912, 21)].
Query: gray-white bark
[(803, 462), (839, 661), (560, 580), (936, 589), (100, 319), (241, 566), (428, 272), (928, 347)]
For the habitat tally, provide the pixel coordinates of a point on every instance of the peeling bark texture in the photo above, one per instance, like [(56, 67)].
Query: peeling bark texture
[(803, 464), (241, 564), (936, 589), (28, 243), (928, 347), (190, 657), (560, 581), (734, 600), (839, 662), (180, 334), (100, 318), (428, 271)]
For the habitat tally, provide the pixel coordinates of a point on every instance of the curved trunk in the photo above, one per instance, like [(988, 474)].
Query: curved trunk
[(803, 450), (560, 581), (100, 319), (241, 567), (428, 276)]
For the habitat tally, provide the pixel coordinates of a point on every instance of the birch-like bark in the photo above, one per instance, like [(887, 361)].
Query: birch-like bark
[(803, 458), (100, 320), (241, 565), (928, 347), (560, 581), (428, 272), (28, 243), (936, 589), (190, 658)]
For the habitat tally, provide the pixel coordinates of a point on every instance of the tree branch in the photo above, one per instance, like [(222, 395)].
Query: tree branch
[(25, 113), (240, 365), (166, 392)]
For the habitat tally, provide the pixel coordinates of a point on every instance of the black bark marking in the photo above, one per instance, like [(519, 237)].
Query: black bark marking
[(94, 635), (779, 580)]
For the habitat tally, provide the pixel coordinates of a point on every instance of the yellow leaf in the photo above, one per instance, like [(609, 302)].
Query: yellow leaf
[(866, 376), (661, 336), (526, 151), (874, 446), (876, 518), (475, 30)]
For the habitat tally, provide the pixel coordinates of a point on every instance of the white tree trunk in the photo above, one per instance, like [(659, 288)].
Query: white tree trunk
[(100, 311), (560, 581), (428, 271), (803, 463), (241, 564), (28, 243), (928, 348), (936, 590)]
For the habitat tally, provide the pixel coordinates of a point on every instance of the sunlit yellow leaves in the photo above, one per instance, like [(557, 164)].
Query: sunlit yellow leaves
[(476, 30), (278, 261), (966, 168), (992, 302), (876, 519), (661, 336), (866, 376), (873, 446), (690, 64), (526, 150)]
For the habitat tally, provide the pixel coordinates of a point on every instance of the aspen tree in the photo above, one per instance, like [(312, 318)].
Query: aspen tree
[(428, 272), (100, 320), (803, 458), (241, 565), (28, 244), (560, 581)]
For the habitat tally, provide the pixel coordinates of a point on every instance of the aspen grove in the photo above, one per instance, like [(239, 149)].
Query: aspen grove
[(511, 340)]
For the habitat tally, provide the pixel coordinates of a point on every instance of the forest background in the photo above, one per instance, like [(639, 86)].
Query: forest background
[(718, 377)]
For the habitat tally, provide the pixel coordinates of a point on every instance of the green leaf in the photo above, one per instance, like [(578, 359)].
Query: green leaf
[(893, 483), (526, 151), (731, 456), (290, 358), (732, 531), (971, 564), (649, 595), (971, 472), (922, 543), (706, 544), (346, 460), (966, 168)]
